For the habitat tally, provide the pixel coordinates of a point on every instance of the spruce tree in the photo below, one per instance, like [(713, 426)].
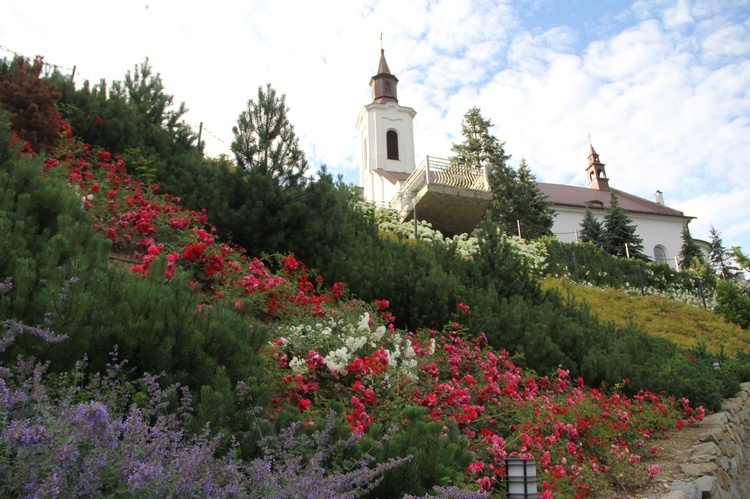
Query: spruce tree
[(265, 142), (741, 258), (719, 257), (691, 256), (535, 214), (31, 102), (619, 231), (481, 149), (592, 230)]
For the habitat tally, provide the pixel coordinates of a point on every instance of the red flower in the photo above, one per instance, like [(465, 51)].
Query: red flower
[(304, 404), (290, 264), (193, 252), (382, 304), (337, 290)]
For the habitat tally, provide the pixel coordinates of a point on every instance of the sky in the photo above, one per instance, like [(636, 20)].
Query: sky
[(661, 88)]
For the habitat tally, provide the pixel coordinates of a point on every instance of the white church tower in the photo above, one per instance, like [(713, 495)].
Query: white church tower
[(386, 143)]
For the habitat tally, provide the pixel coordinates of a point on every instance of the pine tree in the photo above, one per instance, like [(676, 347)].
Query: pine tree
[(138, 119), (719, 257), (619, 231), (265, 142), (592, 230), (535, 214), (31, 102), (691, 256), (482, 150), (741, 258)]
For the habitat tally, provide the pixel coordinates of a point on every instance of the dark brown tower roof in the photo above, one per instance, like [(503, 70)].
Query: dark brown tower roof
[(384, 83)]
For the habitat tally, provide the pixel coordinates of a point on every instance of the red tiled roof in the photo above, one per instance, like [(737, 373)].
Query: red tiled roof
[(583, 197)]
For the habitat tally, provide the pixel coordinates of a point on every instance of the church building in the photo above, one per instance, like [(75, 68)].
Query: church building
[(453, 197)]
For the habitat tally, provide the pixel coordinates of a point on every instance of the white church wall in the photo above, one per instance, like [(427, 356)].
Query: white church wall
[(662, 231)]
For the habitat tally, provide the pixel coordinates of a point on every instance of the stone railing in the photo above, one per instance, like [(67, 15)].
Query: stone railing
[(438, 171), (714, 464)]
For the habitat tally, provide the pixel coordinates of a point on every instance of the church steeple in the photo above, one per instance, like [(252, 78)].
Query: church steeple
[(384, 83), (597, 175)]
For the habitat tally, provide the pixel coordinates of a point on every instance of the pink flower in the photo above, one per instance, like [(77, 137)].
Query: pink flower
[(476, 467), (653, 471), (485, 483)]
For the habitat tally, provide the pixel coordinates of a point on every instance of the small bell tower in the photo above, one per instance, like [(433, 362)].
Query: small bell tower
[(596, 173), (386, 131)]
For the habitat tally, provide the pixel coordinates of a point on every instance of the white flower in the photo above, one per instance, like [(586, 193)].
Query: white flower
[(337, 360), (379, 332), (364, 323), (354, 344), (298, 366), (409, 353), (408, 368)]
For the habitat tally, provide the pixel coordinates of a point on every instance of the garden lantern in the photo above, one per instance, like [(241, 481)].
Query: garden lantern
[(520, 475)]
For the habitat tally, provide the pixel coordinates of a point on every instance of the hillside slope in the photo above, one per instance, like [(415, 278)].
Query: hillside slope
[(683, 324)]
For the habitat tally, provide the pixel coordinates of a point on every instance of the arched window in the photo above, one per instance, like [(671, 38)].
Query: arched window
[(660, 254), (391, 143)]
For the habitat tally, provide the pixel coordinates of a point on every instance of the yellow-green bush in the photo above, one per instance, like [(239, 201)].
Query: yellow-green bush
[(685, 325)]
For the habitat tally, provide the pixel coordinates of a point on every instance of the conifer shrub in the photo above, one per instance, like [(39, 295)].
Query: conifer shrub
[(733, 302)]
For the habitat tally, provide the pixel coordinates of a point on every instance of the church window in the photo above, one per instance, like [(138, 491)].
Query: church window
[(660, 254), (391, 142), (387, 87)]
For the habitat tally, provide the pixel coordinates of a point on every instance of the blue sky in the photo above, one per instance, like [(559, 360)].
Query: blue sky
[(662, 86)]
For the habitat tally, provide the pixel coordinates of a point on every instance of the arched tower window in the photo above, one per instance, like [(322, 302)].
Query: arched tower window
[(391, 142), (660, 254)]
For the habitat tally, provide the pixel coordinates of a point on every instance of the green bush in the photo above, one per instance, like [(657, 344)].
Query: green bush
[(733, 302)]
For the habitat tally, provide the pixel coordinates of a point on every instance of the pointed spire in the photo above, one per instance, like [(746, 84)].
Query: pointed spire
[(384, 83), (597, 175), (383, 66), (593, 157)]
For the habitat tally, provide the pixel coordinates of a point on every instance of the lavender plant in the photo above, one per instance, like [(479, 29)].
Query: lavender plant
[(62, 437)]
